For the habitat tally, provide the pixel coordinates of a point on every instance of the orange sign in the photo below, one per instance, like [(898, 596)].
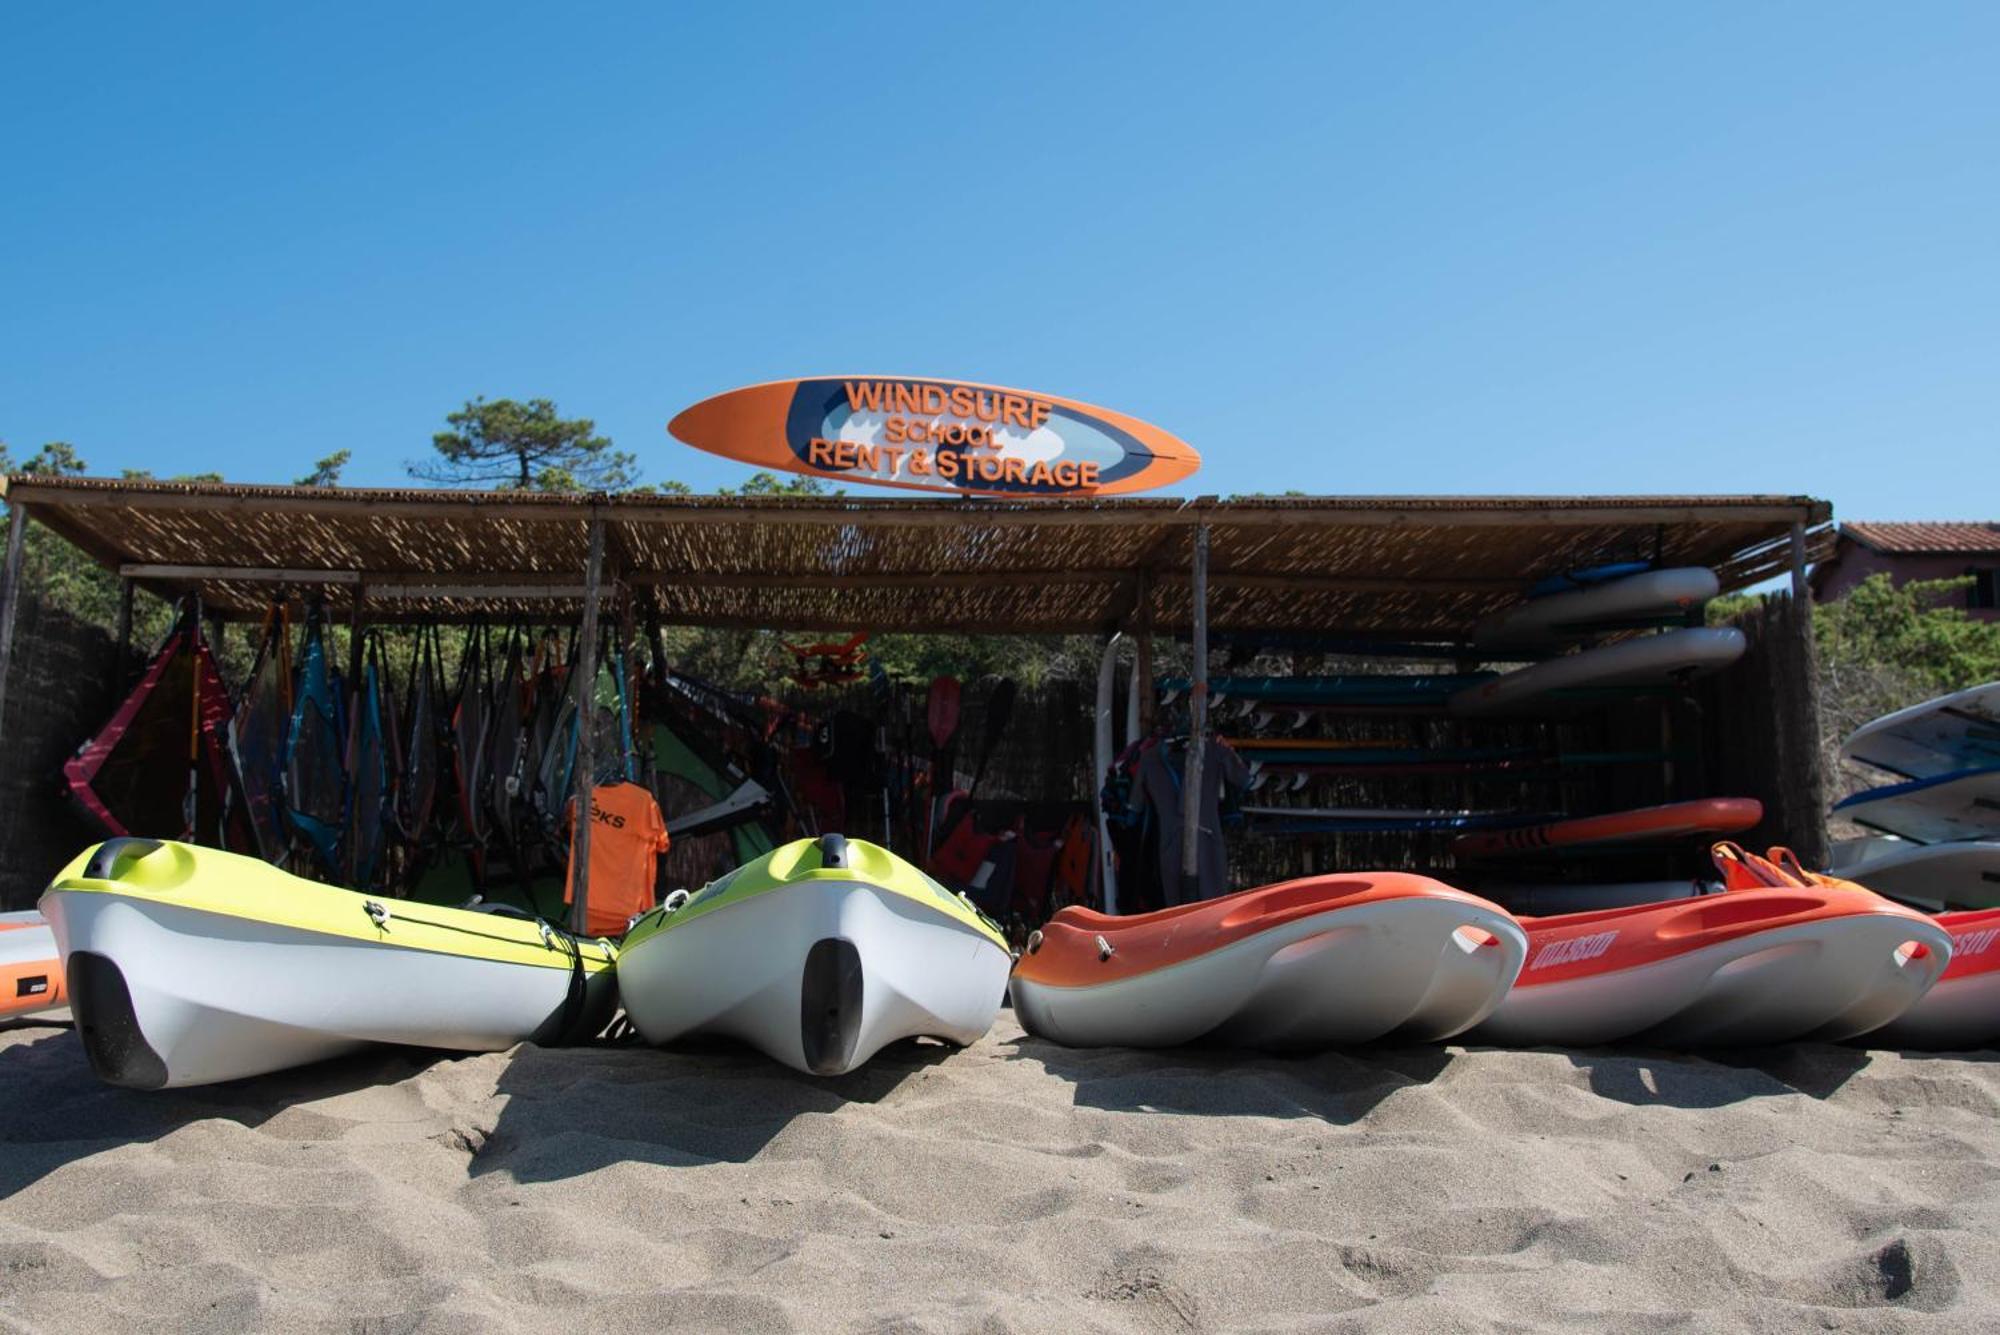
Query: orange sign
[(937, 435)]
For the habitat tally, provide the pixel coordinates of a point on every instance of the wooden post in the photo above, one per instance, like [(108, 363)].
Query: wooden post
[(627, 642), (124, 630), (1142, 668), (10, 590), (1809, 841), (1190, 888), (586, 742)]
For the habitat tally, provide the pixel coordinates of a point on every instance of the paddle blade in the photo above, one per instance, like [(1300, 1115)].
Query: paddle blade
[(943, 711)]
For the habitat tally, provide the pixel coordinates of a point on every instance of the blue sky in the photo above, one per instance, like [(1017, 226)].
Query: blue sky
[(1436, 248)]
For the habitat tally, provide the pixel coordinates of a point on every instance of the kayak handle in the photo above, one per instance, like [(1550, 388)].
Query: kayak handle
[(833, 851), (103, 864)]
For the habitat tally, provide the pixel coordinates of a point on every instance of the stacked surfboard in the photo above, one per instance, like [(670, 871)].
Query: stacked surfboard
[(1941, 815)]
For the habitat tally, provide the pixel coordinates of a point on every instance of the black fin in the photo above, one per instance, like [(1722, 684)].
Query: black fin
[(102, 1005), (830, 1006)]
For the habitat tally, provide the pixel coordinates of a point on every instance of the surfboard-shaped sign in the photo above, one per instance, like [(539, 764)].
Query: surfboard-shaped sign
[(937, 435)]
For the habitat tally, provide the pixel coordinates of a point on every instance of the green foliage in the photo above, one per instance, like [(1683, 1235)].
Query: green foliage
[(1909, 629), (509, 445), (763, 483), (54, 570), (326, 472)]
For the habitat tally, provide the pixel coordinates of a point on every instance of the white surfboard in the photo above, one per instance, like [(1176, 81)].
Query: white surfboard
[(1673, 656), (1941, 736), (1583, 612), (1965, 805), (1962, 875)]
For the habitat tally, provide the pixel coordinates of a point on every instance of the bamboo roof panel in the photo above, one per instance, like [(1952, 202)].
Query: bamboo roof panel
[(1400, 564)]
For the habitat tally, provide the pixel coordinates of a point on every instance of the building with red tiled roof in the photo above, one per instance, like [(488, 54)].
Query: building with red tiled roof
[(1919, 550)]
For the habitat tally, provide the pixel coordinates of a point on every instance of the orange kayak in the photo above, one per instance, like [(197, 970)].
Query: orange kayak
[(1320, 962), (1766, 963), (1962, 1010), (31, 976)]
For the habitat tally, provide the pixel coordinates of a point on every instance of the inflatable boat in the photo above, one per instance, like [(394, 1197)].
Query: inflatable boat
[(187, 965), (1963, 1010), (1315, 963), (1767, 964), (819, 953), (30, 968)]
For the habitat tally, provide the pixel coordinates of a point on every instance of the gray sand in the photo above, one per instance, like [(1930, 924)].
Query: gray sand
[(1012, 1186)]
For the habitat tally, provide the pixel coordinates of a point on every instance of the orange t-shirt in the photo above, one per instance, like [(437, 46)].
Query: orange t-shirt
[(628, 836)]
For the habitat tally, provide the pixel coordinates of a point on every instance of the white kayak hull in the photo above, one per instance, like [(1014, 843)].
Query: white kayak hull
[(167, 995), (820, 975), (1411, 969), (1822, 981)]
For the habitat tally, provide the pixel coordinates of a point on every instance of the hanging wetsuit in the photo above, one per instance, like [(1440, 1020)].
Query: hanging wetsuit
[(1160, 776)]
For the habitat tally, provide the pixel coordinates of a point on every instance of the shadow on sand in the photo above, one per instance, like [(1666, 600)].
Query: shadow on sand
[(1338, 1087), (53, 1110), (570, 1111)]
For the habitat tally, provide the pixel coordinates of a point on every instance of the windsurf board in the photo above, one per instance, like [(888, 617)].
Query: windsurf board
[(1942, 736), (1964, 805), (1670, 657)]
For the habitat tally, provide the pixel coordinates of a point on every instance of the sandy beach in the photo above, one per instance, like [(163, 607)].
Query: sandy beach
[(1011, 1186)]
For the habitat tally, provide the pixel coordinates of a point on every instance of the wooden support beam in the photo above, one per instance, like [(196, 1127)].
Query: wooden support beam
[(236, 574), (1798, 561), (585, 686), (10, 589), (1190, 887)]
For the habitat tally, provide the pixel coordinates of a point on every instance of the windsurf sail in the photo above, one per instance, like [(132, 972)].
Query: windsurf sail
[(162, 767), (470, 733), (368, 772), (315, 780), (258, 730), (417, 782)]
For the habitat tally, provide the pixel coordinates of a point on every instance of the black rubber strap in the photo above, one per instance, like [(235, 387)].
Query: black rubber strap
[(833, 851), (103, 864)]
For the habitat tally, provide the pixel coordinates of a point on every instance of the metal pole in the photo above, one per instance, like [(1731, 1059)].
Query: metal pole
[(1190, 888), (586, 743), (10, 590)]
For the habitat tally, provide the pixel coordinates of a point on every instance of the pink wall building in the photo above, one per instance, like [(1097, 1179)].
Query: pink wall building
[(1916, 551)]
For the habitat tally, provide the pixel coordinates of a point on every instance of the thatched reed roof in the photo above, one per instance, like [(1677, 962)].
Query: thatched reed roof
[(1398, 565)]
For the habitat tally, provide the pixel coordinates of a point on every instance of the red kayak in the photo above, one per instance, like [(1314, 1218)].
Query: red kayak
[(1767, 963)]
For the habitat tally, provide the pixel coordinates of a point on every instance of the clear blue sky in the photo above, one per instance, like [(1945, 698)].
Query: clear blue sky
[(1432, 248)]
